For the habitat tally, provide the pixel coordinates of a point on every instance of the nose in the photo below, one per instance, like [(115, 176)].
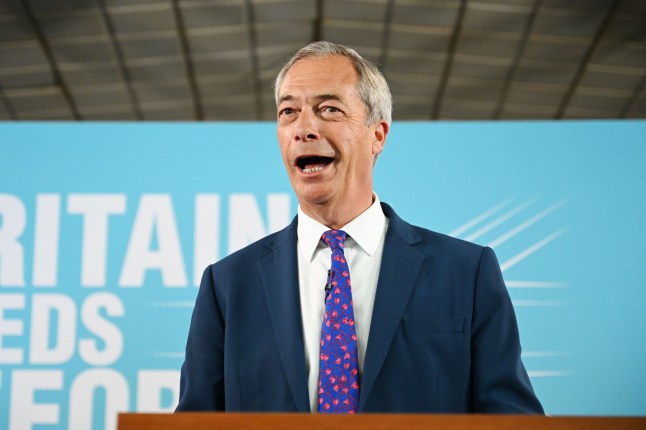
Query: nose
[(307, 127)]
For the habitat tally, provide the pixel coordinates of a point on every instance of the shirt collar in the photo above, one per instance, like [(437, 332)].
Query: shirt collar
[(365, 230)]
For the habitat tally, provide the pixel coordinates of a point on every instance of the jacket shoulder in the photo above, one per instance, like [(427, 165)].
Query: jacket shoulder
[(429, 241)]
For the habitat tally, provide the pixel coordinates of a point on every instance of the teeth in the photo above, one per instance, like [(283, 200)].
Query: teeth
[(313, 169)]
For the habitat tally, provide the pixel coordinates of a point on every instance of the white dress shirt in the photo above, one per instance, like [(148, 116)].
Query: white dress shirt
[(363, 250)]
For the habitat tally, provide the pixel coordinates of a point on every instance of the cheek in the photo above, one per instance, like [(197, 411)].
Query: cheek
[(283, 144)]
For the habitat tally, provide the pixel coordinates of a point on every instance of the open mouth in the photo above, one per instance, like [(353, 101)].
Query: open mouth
[(313, 163)]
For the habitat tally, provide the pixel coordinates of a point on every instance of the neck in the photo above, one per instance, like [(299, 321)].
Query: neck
[(336, 216)]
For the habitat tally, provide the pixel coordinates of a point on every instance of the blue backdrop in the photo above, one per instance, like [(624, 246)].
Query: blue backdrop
[(106, 228)]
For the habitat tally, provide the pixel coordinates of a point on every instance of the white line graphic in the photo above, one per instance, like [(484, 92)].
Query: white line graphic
[(514, 231), (486, 214), (529, 251), (495, 223)]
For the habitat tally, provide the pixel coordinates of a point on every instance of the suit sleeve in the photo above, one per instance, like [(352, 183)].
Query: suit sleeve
[(499, 380), (202, 376)]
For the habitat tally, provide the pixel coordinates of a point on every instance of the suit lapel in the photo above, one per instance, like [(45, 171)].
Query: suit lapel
[(279, 274), (400, 266)]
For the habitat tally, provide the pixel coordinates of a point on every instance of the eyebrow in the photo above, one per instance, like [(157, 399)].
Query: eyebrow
[(288, 98)]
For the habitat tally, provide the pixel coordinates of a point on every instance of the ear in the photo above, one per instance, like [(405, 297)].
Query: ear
[(380, 130)]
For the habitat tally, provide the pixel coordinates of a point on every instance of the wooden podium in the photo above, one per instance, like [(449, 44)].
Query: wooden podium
[(231, 421)]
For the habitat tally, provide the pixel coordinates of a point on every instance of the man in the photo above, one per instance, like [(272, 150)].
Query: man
[(426, 325)]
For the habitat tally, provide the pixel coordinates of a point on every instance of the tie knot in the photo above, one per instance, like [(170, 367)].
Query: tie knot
[(334, 239)]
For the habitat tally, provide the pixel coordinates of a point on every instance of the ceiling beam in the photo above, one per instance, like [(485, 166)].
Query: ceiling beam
[(385, 35), (448, 64), (7, 105), (255, 63), (123, 71), (518, 55), (185, 49), (583, 65), (318, 21), (625, 111), (49, 55)]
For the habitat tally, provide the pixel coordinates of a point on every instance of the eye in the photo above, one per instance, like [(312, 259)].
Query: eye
[(331, 109), (286, 111)]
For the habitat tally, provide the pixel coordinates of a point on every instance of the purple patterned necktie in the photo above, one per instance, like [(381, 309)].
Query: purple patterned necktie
[(339, 371)]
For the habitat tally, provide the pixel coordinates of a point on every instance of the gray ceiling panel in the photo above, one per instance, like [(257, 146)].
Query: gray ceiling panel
[(132, 2), (495, 45), (284, 10), (424, 87), (627, 28), (408, 111), (162, 91), (90, 95), (473, 70), (580, 24), (621, 54), (169, 111), (9, 7), (46, 115), (271, 61), (86, 52), (168, 104), (581, 113), (500, 19), (230, 106), (638, 109), (236, 39), (61, 5), (442, 14), (216, 60), (22, 54), (610, 80), (374, 11), (519, 95), (362, 40), (214, 15), (231, 85), (486, 91), (14, 27), (462, 109), (160, 47), (429, 64), (417, 43), (87, 24), (546, 75), (578, 4), (122, 114), (170, 70), (147, 20), (633, 7), (224, 66), (277, 34), (87, 74), (555, 51), (608, 102), (36, 98)]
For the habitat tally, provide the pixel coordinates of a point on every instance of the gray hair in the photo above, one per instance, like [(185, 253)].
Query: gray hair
[(372, 86)]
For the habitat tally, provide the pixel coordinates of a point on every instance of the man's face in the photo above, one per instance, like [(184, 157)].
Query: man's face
[(327, 148)]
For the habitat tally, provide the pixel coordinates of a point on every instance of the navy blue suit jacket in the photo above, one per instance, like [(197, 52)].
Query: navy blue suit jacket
[(443, 336)]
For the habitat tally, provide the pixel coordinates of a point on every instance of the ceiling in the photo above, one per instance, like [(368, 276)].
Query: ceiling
[(216, 60)]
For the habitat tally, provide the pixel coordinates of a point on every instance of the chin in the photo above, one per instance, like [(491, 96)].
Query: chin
[(313, 195)]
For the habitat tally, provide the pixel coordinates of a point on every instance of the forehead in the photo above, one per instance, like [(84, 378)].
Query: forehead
[(329, 75)]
